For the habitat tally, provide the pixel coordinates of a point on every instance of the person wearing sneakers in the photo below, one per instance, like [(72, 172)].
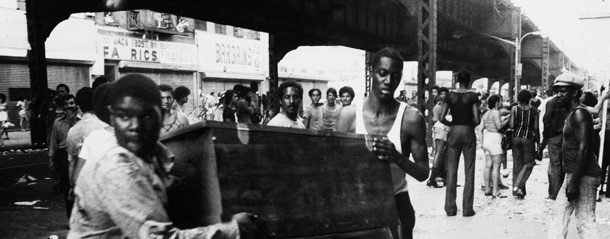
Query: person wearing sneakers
[(578, 192), (398, 130)]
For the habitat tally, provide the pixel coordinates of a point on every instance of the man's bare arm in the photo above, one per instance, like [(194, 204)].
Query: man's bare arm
[(413, 139), (183, 119), (444, 112), (582, 123), (476, 112), (346, 120)]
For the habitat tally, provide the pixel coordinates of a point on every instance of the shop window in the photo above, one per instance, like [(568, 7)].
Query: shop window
[(201, 25), (108, 18), (220, 29)]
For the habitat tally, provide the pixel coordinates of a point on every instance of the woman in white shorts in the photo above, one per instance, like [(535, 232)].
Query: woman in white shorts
[(492, 145), (440, 133)]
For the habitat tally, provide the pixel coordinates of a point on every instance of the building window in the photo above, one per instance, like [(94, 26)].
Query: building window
[(246, 33), (220, 29), (183, 25), (21, 5), (201, 25), (108, 18), (133, 19)]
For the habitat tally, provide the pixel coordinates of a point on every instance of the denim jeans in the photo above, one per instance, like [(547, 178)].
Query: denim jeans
[(461, 139), (523, 161), (583, 209), (555, 170)]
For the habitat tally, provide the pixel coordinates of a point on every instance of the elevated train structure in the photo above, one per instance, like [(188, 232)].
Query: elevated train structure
[(475, 35), (451, 35)]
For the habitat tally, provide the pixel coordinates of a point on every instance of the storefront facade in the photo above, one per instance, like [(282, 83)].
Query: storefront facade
[(225, 61), (70, 51), (170, 63)]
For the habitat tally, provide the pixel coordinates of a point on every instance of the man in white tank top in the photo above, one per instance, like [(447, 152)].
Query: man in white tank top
[(397, 129)]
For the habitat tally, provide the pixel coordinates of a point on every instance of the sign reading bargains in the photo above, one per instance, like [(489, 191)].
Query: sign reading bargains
[(136, 49), (223, 55)]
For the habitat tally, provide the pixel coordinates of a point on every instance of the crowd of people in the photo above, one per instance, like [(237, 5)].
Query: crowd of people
[(113, 173), (567, 122)]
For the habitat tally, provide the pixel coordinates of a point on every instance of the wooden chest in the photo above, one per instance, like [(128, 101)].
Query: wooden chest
[(302, 183)]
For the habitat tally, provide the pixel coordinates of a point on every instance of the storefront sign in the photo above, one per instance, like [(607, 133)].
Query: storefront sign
[(221, 54), (136, 49)]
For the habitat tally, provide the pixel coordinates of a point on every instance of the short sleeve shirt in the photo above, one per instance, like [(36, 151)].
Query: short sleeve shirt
[(314, 115), (281, 120), (124, 196)]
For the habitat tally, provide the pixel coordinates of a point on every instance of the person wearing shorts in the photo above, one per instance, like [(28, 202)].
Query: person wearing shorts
[(492, 145), (440, 134)]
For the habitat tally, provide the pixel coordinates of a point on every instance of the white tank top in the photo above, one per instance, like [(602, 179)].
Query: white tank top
[(398, 175)]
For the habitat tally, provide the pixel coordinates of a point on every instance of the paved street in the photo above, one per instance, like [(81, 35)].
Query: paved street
[(496, 218), (17, 139)]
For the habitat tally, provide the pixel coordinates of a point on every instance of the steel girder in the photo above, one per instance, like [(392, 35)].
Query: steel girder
[(426, 52)]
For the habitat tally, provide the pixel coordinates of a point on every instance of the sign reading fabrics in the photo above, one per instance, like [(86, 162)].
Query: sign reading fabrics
[(221, 54), (136, 49)]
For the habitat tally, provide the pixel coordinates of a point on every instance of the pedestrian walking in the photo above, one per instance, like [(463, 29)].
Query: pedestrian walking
[(554, 119), (492, 145), (440, 135), (578, 192), (524, 123), (3, 116), (23, 114)]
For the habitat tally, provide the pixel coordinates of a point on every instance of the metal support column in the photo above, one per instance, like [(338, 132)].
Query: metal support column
[(273, 74), (426, 58), (426, 53), (367, 74), (36, 55), (38, 65), (515, 87), (546, 51)]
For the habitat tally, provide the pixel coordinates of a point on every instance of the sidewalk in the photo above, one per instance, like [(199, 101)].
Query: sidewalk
[(17, 140), (507, 218)]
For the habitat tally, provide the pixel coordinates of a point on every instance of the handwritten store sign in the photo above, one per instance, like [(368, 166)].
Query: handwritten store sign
[(136, 49), (226, 54)]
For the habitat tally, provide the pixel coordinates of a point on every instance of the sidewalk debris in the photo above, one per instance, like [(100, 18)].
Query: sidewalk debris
[(26, 203), (26, 179)]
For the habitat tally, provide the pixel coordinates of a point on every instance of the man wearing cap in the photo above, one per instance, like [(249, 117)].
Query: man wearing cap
[(578, 192)]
